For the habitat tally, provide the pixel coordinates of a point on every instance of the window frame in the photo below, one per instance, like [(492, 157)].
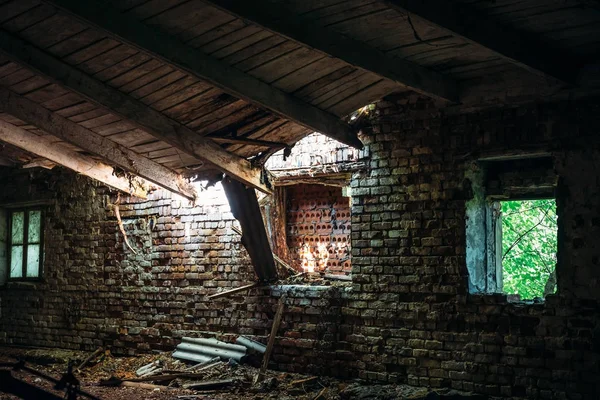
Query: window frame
[(488, 184), (25, 244)]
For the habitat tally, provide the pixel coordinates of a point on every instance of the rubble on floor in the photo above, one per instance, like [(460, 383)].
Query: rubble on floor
[(216, 380)]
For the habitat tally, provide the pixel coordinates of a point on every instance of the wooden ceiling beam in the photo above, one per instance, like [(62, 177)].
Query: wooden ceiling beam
[(275, 18), (91, 142), (190, 60), (136, 112), (58, 154), (518, 48)]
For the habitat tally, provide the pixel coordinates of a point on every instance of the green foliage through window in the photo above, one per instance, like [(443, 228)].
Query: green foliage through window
[(529, 236)]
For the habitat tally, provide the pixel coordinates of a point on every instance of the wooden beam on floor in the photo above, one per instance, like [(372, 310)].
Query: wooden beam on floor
[(277, 19), (193, 61), (518, 48), (134, 111), (60, 155), (115, 154)]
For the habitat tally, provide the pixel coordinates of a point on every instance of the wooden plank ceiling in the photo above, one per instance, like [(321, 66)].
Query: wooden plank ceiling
[(201, 86)]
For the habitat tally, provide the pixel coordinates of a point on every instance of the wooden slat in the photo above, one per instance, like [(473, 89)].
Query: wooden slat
[(151, 8), (181, 96), (46, 93), (267, 55), (91, 114), (76, 109), (122, 67), (60, 155), (188, 107), (147, 147), (135, 73), (326, 91), (33, 83), (169, 89), (350, 15), (286, 64), (89, 141), (75, 43), (220, 113), (67, 100), (130, 109), (238, 45), (216, 33), (31, 17), (91, 51), (210, 20), (107, 59), (325, 81), (12, 9), (359, 99), (213, 105), (328, 41), (480, 30), (349, 87), (308, 74), (244, 33), (157, 85), (255, 49), (132, 138), (222, 75), (20, 75), (146, 79), (245, 114), (114, 128), (52, 31)]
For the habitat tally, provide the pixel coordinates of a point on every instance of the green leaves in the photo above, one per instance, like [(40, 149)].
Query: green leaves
[(529, 243)]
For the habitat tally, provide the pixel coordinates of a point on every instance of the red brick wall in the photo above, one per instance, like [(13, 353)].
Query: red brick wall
[(318, 228)]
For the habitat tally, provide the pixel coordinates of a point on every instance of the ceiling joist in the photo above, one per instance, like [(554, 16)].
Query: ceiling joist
[(277, 19), (515, 47), (89, 141), (58, 154), (233, 81), (136, 112)]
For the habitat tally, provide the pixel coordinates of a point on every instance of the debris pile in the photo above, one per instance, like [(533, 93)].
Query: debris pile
[(163, 377)]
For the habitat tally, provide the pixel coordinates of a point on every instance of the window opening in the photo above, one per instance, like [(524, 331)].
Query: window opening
[(529, 246), (318, 229), (511, 227), (25, 243)]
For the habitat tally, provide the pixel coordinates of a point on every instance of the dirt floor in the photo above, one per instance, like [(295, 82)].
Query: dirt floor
[(240, 380)]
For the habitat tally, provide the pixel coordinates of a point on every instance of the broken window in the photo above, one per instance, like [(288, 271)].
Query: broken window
[(318, 228), (511, 228), (25, 247), (529, 244)]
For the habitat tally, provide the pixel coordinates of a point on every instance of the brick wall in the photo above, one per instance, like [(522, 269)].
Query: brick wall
[(407, 317), (410, 317), (97, 292)]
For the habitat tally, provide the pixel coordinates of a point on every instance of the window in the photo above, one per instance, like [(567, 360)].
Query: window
[(511, 228), (529, 244), (25, 243)]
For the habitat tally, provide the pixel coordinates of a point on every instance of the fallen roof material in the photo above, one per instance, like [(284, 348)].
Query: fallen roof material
[(201, 350), (251, 344)]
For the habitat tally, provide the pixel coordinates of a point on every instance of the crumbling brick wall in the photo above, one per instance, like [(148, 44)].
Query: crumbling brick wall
[(408, 316)]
